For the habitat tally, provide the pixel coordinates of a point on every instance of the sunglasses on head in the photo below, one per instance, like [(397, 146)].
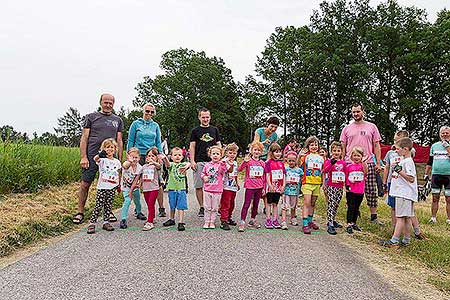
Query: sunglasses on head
[(150, 111)]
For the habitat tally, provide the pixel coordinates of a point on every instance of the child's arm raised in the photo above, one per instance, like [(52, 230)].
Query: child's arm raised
[(101, 154)]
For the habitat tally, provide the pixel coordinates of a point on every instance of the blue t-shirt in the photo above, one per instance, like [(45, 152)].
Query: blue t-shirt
[(272, 138), (293, 181), (441, 159)]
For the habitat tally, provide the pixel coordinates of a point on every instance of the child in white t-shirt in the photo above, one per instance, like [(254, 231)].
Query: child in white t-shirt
[(404, 189)]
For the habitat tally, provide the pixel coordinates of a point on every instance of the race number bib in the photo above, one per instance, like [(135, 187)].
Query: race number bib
[(277, 174), (293, 178), (356, 176), (256, 171), (314, 165), (337, 177), (148, 175)]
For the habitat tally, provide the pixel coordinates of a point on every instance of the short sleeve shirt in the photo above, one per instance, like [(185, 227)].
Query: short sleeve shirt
[(361, 135), (313, 166), (176, 178), (293, 181), (400, 187), (149, 178), (441, 159), (128, 176), (272, 138), (275, 169), (204, 137), (109, 173), (101, 127), (392, 159)]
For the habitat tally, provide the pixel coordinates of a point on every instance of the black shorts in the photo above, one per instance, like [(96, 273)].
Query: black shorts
[(273, 198), (88, 175), (440, 181)]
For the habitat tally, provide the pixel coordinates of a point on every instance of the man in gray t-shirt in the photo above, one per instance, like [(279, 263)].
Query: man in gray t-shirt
[(97, 127)]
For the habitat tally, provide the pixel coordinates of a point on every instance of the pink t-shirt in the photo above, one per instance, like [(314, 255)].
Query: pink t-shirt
[(356, 179), (254, 174), (363, 135), (215, 172), (276, 171), (336, 173)]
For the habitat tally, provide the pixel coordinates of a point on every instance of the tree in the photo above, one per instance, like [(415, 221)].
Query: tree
[(69, 128)]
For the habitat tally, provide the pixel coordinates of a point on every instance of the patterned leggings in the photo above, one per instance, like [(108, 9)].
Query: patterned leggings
[(104, 199), (334, 198)]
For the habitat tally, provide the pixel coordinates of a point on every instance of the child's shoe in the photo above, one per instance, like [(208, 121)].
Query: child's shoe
[(148, 226), (181, 227), (162, 212), (331, 230), (108, 227), (356, 227), (294, 222), (432, 221), (231, 222), (337, 225), (140, 216), (268, 224), (276, 224), (206, 226), (123, 224), (224, 225), (447, 221), (349, 229), (169, 222), (284, 225), (91, 229), (313, 225), (306, 230), (212, 226), (253, 225), (389, 243), (241, 227)]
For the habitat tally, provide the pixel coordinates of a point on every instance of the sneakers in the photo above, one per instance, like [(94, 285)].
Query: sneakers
[(212, 226), (356, 227), (231, 222), (148, 226), (123, 224), (294, 222), (181, 227), (276, 224), (313, 225), (284, 226), (201, 212), (162, 212), (432, 221), (337, 225), (224, 225), (241, 227), (388, 243), (268, 224), (206, 226), (169, 222), (376, 221), (91, 229), (112, 218), (306, 230), (140, 216), (253, 225), (108, 227), (447, 222), (349, 229), (331, 230)]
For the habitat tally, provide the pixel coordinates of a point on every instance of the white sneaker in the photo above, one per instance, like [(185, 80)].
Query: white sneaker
[(284, 226), (294, 222), (448, 221), (206, 226), (241, 227), (432, 220), (212, 226), (148, 226)]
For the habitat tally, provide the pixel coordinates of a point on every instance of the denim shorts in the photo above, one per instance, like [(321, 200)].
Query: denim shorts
[(390, 199), (177, 200)]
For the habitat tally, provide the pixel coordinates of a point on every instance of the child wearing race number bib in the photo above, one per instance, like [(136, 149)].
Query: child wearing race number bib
[(108, 180), (291, 190), (150, 184), (335, 170), (355, 183), (275, 173), (254, 183), (230, 187), (212, 175), (312, 164)]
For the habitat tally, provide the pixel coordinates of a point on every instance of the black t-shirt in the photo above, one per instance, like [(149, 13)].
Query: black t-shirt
[(204, 137)]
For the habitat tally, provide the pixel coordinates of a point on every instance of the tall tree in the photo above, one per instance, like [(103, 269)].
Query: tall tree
[(70, 128)]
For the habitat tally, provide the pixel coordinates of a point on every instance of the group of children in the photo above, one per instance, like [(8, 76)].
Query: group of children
[(278, 181)]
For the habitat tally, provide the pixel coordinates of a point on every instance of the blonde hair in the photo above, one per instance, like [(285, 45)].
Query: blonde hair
[(231, 147), (311, 140), (152, 150), (258, 145), (175, 149), (402, 133), (133, 150), (273, 147), (405, 142), (108, 142), (210, 149), (357, 150)]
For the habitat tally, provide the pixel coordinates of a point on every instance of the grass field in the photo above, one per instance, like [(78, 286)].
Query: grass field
[(28, 168)]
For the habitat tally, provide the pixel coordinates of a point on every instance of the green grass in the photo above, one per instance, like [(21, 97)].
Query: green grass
[(28, 168)]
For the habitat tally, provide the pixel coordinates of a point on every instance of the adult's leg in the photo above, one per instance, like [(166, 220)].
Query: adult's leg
[(371, 191), (82, 195), (435, 204), (447, 200)]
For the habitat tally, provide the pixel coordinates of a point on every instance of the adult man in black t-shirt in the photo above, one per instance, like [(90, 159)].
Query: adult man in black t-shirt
[(202, 137), (97, 127)]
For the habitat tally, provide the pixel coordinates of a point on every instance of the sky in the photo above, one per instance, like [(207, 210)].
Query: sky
[(60, 54)]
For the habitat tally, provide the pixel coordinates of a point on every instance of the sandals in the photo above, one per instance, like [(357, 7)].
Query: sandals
[(78, 218), (112, 218)]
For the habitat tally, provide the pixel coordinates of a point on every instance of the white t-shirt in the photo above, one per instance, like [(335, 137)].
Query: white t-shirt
[(400, 187), (128, 176), (109, 173)]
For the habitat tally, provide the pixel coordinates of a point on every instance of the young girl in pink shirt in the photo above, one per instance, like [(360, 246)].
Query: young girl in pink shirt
[(334, 168), (212, 176), (275, 176), (253, 183), (356, 180)]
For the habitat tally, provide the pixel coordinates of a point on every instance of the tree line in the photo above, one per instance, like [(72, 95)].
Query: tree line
[(388, 57)]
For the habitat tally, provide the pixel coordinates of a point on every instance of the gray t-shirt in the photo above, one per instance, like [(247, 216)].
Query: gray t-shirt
[(101, 128)]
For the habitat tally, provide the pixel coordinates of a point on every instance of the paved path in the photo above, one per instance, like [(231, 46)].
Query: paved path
[(195, 264)]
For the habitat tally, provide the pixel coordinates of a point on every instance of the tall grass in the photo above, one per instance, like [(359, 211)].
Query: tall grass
[(28, 168)]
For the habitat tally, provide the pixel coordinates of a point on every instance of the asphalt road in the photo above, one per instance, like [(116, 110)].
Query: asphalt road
[(195, 264)]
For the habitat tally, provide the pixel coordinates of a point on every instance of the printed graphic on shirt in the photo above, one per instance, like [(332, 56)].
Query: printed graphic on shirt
[(110, 172), (314, 165), (230, 179), (213, 175), (256, 171), (440, 155), (206, 138)]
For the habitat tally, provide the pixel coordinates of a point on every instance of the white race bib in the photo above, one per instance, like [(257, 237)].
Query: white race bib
[(148, 175), (356, 176), (293, 178), (337, 177), (277, 174), (313, 165), (256, 171)]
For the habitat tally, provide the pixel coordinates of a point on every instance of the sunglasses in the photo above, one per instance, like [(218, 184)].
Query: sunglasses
[(150, 112)]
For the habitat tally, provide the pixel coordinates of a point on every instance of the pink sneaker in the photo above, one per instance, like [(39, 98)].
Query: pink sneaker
[(276, 224), (306, 230), (268, 224), (313, 225)]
